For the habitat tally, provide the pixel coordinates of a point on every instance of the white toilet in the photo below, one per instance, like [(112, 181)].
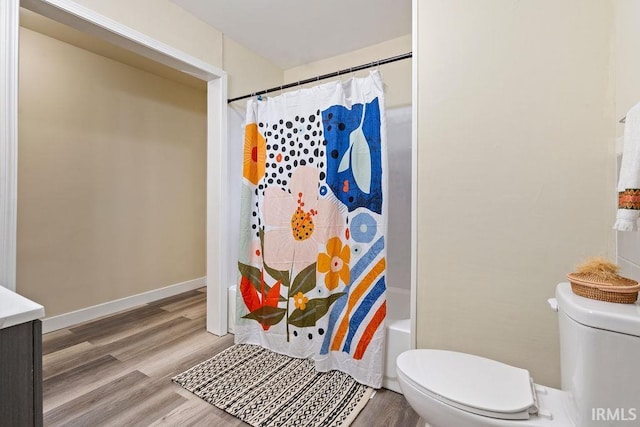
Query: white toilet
[(600, 363)]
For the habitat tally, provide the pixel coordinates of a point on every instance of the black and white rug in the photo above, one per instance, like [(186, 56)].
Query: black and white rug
[(264, 388)]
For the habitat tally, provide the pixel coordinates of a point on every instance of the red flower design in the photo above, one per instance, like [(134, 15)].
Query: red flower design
[(256, 301)]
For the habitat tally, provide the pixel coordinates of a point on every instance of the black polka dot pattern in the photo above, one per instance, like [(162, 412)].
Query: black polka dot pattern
[(291, 142), (303, 139)]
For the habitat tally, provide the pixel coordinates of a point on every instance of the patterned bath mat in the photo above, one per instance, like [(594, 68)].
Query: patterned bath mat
[(264, 388)]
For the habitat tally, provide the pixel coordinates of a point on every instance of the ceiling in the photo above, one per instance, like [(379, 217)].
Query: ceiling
[(295, 32)]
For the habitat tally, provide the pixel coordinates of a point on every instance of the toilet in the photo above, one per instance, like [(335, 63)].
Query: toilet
[(599, 359)]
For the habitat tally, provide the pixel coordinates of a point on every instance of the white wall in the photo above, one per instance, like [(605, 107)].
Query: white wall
[(399, 196), (515, 181)]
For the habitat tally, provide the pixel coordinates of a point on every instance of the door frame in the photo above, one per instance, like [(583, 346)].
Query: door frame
[(86, 20)]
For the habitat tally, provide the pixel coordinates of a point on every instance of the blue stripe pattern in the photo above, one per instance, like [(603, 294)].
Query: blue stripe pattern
[(366, 260), (362, 311), (339, 305)]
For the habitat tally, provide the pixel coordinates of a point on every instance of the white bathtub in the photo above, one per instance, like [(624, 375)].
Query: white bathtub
[(398, 332)]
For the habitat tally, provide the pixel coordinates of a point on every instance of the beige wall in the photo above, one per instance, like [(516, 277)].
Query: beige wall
[(515, 134), (111, 196), (248, 72), (58, 31), (396, 75), (112, 156), (166, 22)]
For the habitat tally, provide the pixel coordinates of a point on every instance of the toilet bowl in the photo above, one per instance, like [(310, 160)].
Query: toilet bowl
[(448, 389), (599, 386)]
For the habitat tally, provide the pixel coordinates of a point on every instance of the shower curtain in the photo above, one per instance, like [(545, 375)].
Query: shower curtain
[(313, 223)]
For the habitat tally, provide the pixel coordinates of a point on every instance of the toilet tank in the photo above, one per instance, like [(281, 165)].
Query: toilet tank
[(600, 359)]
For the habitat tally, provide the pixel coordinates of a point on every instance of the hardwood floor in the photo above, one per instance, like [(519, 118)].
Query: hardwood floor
[(116, 371)]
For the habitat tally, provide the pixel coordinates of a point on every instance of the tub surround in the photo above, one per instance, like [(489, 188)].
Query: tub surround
[(398, 334), (398, 341)]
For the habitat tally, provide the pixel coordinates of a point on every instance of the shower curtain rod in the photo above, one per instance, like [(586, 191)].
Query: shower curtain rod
[(326, 76)]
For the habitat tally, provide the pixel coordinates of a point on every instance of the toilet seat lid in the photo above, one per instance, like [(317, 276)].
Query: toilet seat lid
[(472, 383)]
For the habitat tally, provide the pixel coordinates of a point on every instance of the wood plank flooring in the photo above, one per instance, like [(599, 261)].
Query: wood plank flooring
[(116, 371)]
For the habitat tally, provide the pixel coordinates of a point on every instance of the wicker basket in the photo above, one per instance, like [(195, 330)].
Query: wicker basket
[(619, 289)]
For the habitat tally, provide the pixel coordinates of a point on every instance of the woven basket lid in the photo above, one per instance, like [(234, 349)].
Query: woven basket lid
[(609, 284)]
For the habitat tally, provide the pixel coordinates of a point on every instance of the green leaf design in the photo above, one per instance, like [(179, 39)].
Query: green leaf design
[(282, 275), (314, 310), (304, 281), (267, 315), (252, 273)]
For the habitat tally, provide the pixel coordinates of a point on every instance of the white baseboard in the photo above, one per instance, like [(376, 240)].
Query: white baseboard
[(66, 320)]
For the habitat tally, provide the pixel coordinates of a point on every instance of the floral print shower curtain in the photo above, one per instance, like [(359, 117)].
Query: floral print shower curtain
[(313, 221)]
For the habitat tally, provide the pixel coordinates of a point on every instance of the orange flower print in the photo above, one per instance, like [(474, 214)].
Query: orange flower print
[(335, 262), (255, 154), (300, 300)]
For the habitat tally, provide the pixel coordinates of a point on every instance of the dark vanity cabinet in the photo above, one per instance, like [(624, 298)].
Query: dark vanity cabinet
[(21, 375)]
